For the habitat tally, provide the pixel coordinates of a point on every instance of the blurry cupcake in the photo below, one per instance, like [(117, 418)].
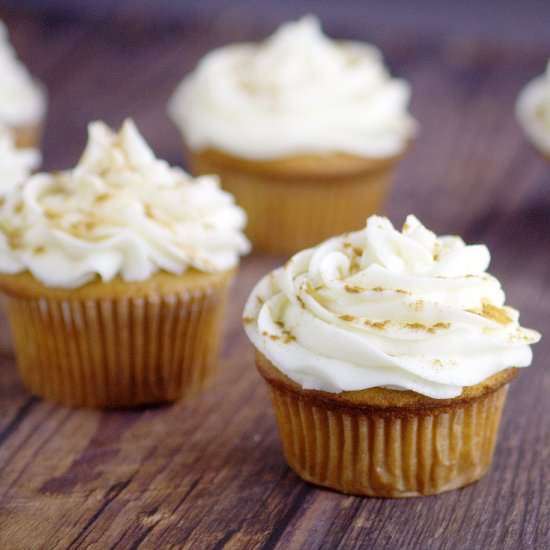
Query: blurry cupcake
[(116, 275), (16, 166), (533, 112), (22, 99), (388, 355), (303, 130)]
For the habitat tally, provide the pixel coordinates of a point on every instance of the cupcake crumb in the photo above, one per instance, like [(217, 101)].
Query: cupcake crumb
[(248, 320)]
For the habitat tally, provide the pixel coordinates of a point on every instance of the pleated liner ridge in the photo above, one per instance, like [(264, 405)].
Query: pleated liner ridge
[(118, 352), (388, 455), (287, 216)]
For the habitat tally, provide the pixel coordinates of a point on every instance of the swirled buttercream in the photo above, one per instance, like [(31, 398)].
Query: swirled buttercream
[(296, 93), (383, 308), (22, 100), (120, 211), (533, 111), (15, 164)]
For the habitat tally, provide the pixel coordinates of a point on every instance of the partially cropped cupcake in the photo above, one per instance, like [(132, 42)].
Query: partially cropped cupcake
[(389, 356), (533, 112), (116, 275), (22, 98), (16, 165), (303, 130)]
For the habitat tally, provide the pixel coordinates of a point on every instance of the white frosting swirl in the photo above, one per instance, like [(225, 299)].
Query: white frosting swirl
[(22, 100), (533, 110), (297, 92), (379, 308), (120, 211), (15, 164)]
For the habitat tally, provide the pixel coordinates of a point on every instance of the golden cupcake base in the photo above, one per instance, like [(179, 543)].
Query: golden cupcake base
[(298, 202), (387, 443), (117, 344), (27, 137)]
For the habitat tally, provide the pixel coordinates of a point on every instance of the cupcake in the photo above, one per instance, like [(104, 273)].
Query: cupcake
[(115, 275), (303, 130), (22, 99), (533, 112), (388, 355), (16, 166)]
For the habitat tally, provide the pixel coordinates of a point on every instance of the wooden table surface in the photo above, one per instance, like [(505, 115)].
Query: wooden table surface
[(210, 473)]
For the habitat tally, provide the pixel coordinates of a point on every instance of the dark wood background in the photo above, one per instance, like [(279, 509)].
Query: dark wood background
[(210, 473)]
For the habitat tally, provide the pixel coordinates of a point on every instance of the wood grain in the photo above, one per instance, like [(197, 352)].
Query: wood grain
[(210, 473)]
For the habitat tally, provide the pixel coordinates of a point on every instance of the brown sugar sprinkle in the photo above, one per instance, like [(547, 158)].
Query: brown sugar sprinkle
[(354, 265), (260, 300), (401, 291), (83, 227), (357, 251), (346, 245), (353, 289), (430, 329), (379, 325), (494, 313), (280, 324), (248, 320), (416, 326), (288, 337), (52, 214), (102, 197), (18, 207), (39, 250), (347, 318), (301, 302), (377, 289), (15, 239), (148, 209), (273, 337)]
